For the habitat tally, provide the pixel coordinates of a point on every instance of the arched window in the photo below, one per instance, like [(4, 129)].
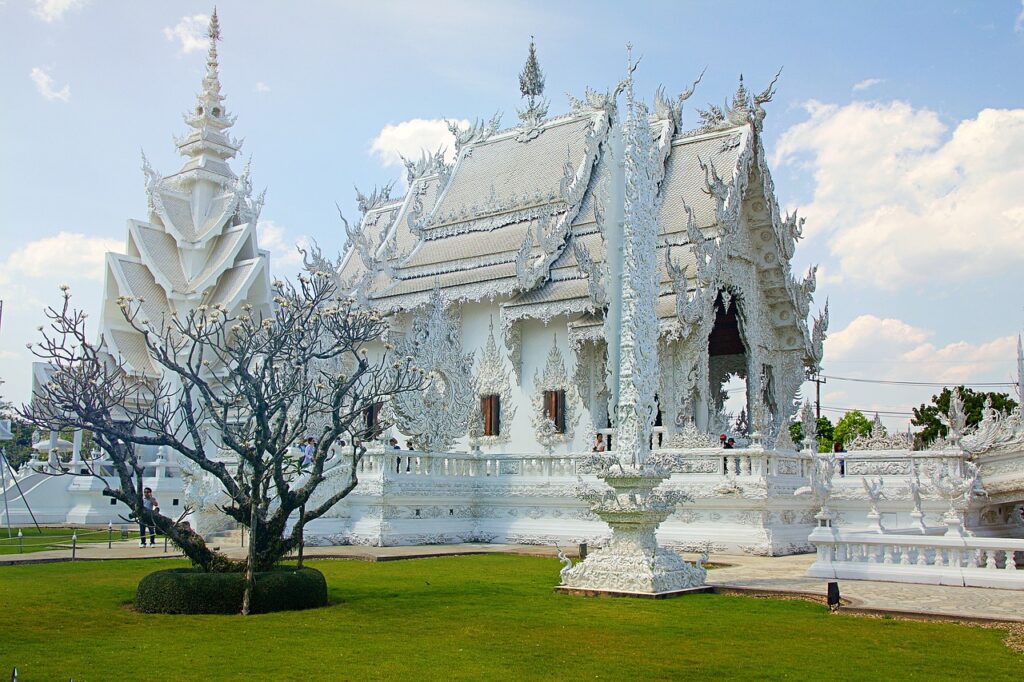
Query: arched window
[(490, 409), (554, 408), (371, 417)]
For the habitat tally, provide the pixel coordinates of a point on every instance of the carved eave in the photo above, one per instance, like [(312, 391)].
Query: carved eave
[(797, 297), (223, 255), (176, 212), (130, 347), (235, 283)]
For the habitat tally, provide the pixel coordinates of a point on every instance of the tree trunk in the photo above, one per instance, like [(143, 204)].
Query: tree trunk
[(250, 575)]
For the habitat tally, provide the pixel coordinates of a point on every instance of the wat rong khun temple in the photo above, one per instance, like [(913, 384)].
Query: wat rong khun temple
[(602, 273)]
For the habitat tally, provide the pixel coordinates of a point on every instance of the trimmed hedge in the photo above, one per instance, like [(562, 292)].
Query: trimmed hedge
[(188, 590)]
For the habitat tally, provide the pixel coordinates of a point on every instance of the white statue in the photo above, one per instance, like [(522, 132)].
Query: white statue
[(875, 493)]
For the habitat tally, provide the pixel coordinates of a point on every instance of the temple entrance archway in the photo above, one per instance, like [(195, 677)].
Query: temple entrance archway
[(728, 368)]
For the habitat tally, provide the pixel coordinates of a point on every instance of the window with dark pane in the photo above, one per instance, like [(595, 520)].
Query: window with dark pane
[(490, 408), (372, 419), (554, 409)]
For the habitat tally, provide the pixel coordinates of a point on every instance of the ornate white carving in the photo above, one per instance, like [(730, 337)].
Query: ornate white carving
[(880, 440), (637, 321), (554, 378), (996, 432), (492, 379), (437, 415), (690, 437)]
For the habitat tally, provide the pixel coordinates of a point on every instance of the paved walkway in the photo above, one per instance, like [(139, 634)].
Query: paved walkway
[(787, 575), (759, 575)]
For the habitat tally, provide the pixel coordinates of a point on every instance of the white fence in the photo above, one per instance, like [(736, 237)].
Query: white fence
[(936, 560)]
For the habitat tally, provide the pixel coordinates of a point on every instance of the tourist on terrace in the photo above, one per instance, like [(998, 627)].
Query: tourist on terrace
[(599, 445), (394, 444), (408, 445), (150, 503)]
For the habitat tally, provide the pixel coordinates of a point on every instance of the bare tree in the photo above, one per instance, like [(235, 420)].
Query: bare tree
[(253, 384)]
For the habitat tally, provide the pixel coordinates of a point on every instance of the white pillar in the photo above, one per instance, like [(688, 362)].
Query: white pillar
[(76, 449)]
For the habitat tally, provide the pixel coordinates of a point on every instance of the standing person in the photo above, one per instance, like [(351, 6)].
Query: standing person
[(150, 504), (408, 445), (394, 444), (307, 452), (599, 445)]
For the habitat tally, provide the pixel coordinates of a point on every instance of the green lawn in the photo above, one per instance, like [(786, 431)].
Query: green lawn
[(51, 538), (463, 618)]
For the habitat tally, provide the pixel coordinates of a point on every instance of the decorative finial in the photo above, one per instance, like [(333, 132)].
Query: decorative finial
[(531, 79), (741, 100), (214, 30), (531, 86)]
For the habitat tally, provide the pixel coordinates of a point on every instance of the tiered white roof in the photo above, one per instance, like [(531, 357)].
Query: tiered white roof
[(199, 245), (506, 219)]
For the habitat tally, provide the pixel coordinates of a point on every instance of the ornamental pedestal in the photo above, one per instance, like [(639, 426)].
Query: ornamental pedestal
[(632, 564)]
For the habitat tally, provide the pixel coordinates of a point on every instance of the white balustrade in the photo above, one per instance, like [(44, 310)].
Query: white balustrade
[(936, 559)]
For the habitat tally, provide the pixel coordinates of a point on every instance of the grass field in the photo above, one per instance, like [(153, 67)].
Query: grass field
[(51, 538), (464, 618)]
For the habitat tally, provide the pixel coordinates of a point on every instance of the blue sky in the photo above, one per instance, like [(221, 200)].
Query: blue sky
[(898, 130)]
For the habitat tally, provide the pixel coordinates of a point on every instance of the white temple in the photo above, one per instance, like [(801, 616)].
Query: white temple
[(498, 273)]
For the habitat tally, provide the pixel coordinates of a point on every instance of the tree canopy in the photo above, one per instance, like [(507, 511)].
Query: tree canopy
[(851, 425), (234, 394), (927, 415)]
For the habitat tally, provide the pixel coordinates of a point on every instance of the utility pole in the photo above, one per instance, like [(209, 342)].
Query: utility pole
[(818, 381)]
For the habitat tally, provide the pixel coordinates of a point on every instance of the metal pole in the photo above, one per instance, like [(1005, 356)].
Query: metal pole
[(7, 510), (302, 534)]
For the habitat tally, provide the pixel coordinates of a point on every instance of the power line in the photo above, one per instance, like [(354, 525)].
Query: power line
[(922, 383), (887, 413)]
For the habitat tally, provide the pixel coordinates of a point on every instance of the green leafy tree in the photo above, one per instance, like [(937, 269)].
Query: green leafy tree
[(825, 429), (927, 416), (851, 425)]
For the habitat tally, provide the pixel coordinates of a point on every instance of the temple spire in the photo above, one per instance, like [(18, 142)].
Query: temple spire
[(531, 86), (207, 144), (210, 103)]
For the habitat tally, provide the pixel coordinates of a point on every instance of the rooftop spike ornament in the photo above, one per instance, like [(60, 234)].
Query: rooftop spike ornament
[(531, 86)]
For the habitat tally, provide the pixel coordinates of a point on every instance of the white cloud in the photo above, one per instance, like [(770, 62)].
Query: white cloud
[(53, 258), (871, 348), (45, 86), (868, 83), (896, 350), (262, 87), (411, 138), (284, 253), (52, 10), (190, 32), (900, 200)]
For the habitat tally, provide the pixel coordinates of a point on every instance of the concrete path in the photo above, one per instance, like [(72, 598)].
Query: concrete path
[(787, 575), (747, 574)]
